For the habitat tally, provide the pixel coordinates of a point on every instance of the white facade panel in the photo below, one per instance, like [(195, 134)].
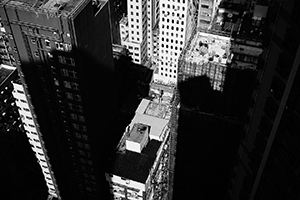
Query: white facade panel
[(31, 132), (129, 183), (172, 28)]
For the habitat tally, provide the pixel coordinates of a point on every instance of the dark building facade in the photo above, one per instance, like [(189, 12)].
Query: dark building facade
[(18, 167), (64, 58), (267, 166), (118, 8)]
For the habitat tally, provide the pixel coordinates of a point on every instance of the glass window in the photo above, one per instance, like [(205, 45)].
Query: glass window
[(67, 84), (47, 44)]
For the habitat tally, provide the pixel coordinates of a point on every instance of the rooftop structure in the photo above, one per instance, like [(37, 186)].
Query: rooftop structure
[(59, 7), (207, 54), (209, 48)]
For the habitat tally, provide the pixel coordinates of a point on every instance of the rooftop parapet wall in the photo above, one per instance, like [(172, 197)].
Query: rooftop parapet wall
[(52, 7)]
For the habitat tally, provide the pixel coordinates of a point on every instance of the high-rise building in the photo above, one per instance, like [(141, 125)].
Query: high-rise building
[(63, 54), (19, 170), (135, 35), (177, 22), (36, 141), (172, 31), (138, 30), (267, 166)]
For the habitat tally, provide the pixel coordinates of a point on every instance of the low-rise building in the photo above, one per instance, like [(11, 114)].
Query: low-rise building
[(138, 170)]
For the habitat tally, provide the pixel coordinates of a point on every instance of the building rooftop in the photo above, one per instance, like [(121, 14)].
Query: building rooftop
[(5, 72), (153, 114), (132, 165), (138, 132), (50, 6), (206, 47), (147, 128)]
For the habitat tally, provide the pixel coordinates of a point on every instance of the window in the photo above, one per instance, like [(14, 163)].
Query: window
[(75, 86), (62, 59), (77, 135), (36, 54), (75, 126), (205, 6), (73, 74), (69, 95), (67, 84), (33, 40), (70, 61), (73, 116), (47, 44), (77, 97), (85, 137), (64, 72)]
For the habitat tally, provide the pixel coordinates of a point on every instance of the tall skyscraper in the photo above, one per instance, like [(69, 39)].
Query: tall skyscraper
[(63, 53), (172, 35), (268, 163), (135, 23)]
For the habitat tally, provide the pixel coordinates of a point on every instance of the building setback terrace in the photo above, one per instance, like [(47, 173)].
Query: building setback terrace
[(132, 165), (51, 6)]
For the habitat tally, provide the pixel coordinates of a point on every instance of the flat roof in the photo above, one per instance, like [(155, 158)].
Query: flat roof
[(138, 132), (206, 47), (62, 6), (153, 114), (132, 165), (5, 72)]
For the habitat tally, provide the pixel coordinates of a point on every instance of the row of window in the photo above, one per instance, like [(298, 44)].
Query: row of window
[(172, 21), (75, 107), (171, 47), (58, 45), (77, 117), (69, 73), (172, 28), (173, 6), (174, 71), (166, 75), (171, 34), (72, 96), (171, 52), (83, 137), (66, 60), (71, 85), (79, 127)]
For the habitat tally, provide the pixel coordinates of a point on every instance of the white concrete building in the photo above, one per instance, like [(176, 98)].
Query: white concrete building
[(133, 30), (34, 137), (175, 26)]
